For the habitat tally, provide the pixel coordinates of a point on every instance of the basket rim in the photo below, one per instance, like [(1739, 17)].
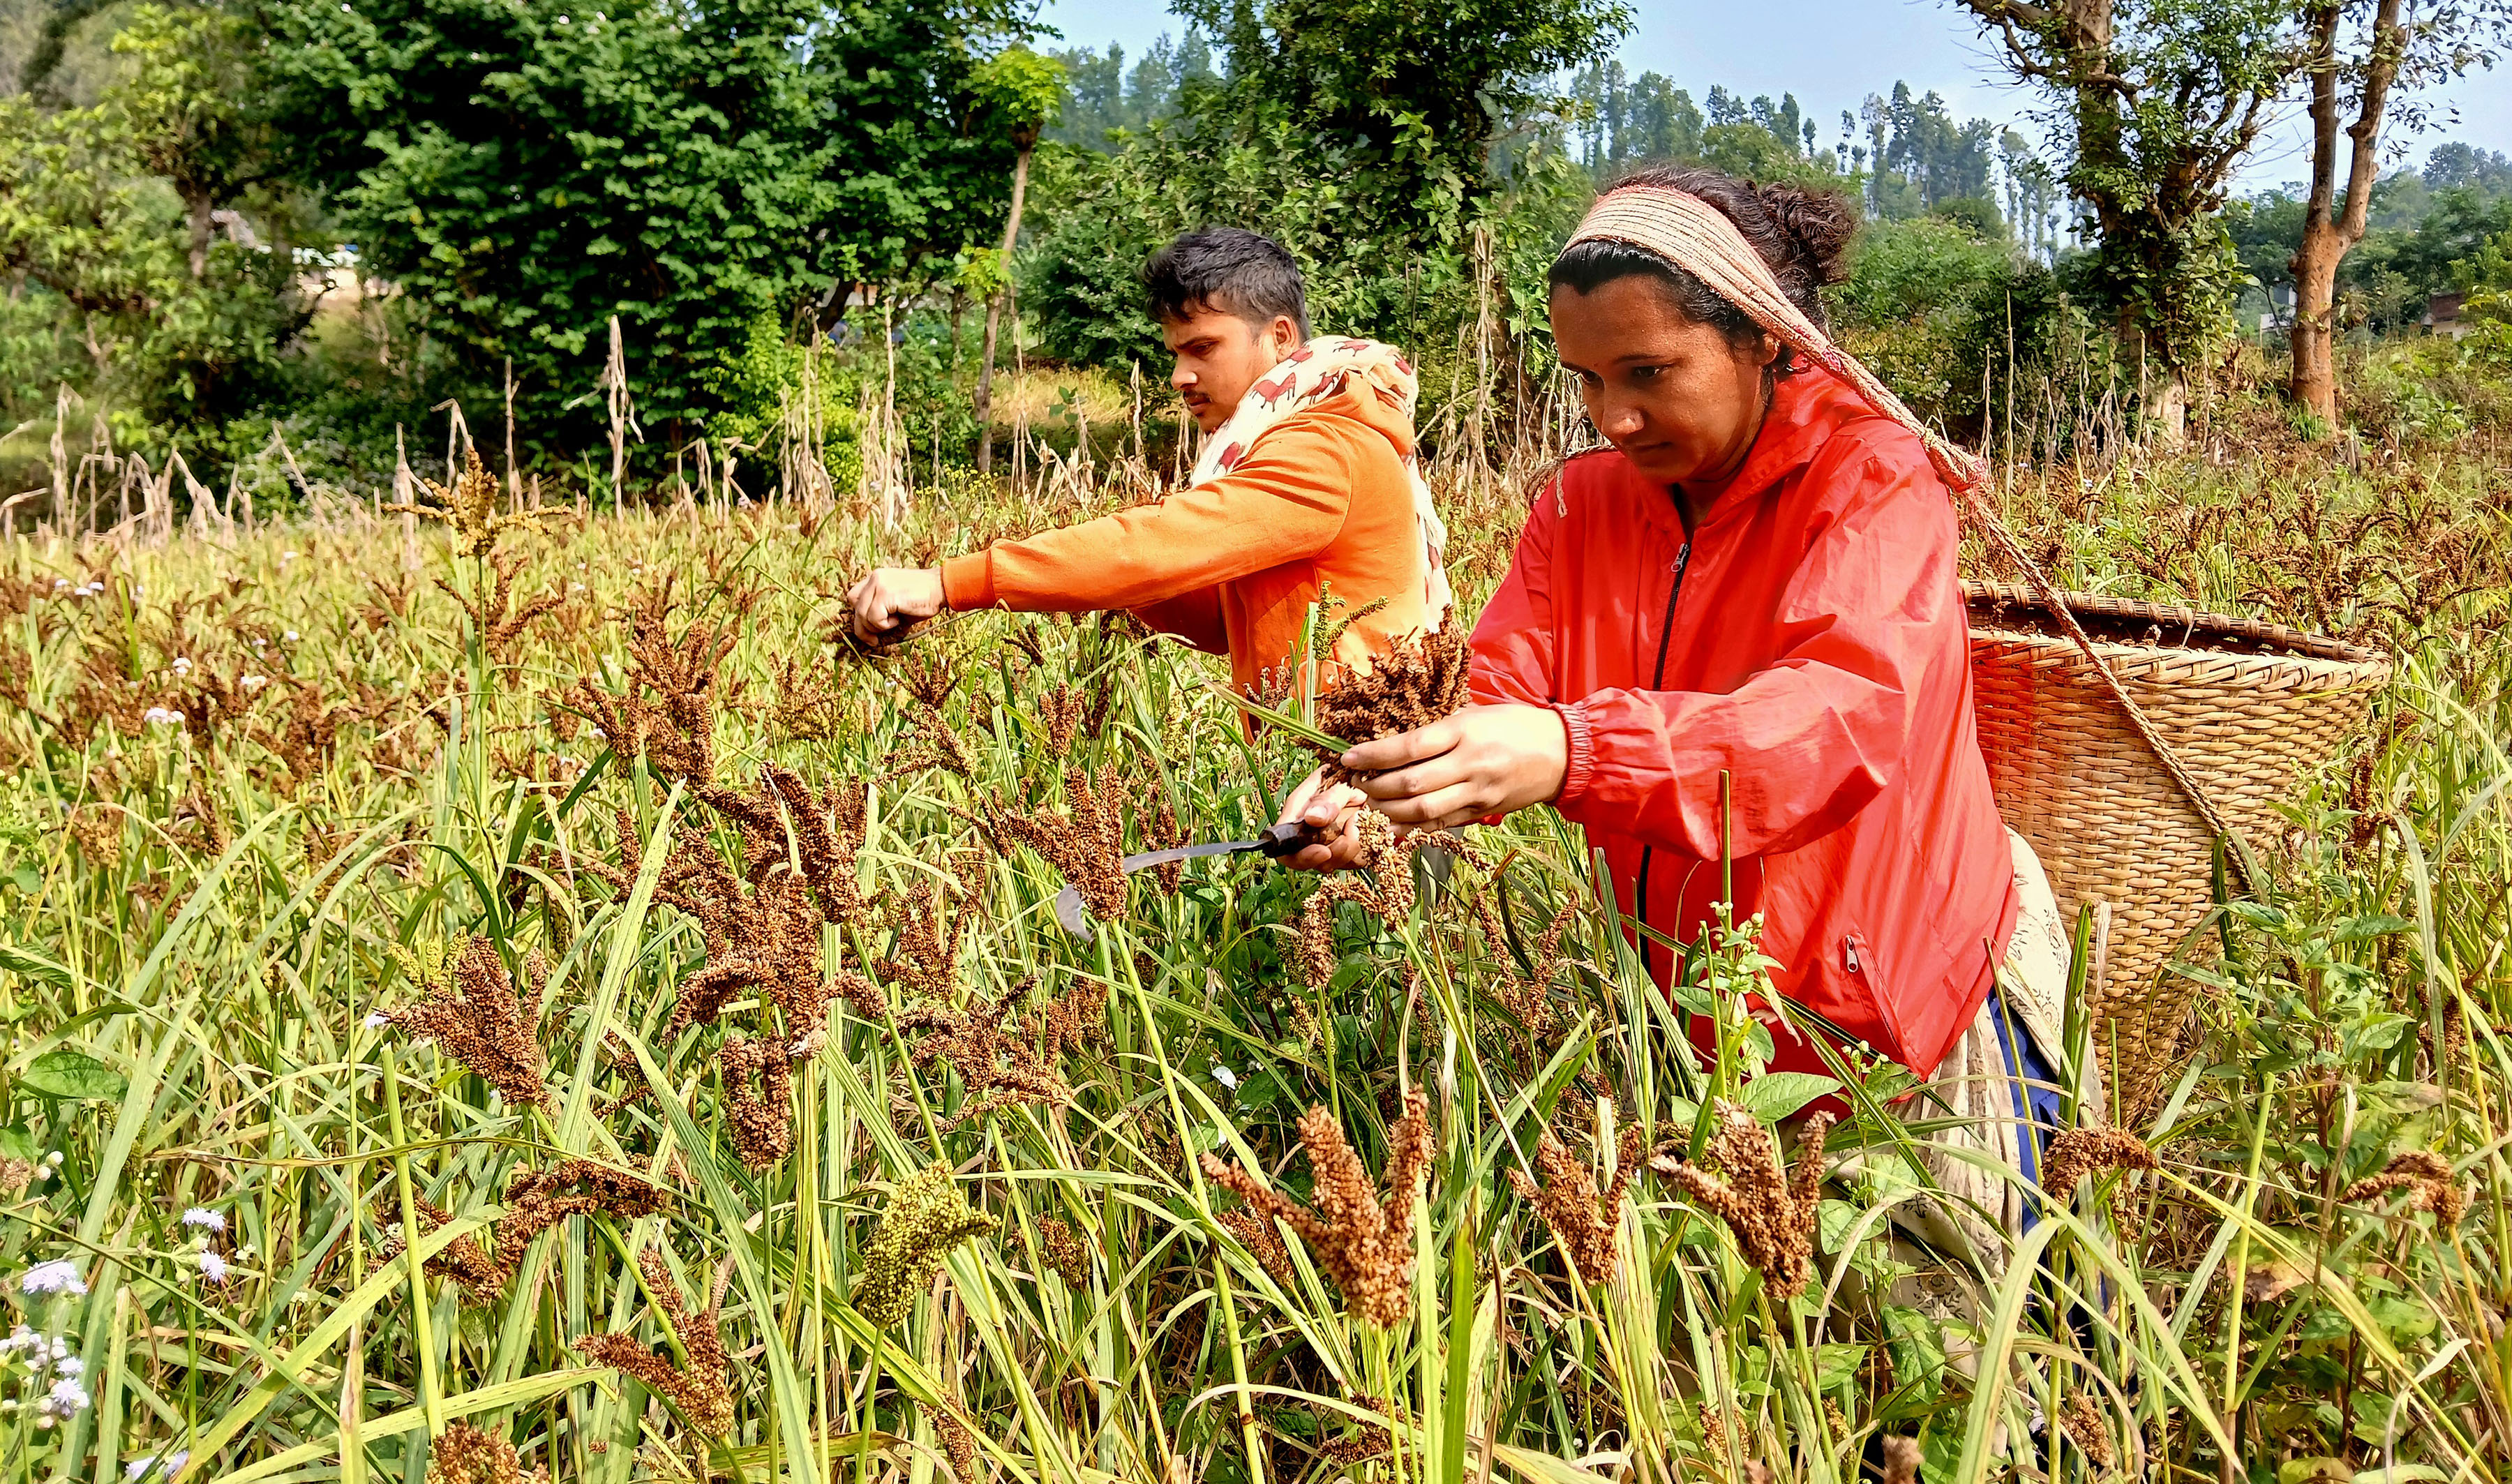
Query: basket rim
[(2000, 597)]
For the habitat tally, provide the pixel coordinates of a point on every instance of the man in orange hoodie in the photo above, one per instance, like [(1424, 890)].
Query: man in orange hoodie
[(1307, 482)]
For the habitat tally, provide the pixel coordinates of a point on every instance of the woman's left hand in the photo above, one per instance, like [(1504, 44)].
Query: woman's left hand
[(1483, 761)]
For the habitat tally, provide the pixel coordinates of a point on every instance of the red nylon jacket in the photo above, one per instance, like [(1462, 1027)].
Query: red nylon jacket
[(1809, 638)]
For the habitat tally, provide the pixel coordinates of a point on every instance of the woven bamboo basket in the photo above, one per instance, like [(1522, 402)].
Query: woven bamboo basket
[(2246, 706)]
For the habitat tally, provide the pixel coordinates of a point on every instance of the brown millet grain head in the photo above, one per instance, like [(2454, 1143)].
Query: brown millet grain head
[(2083, 1425), (959, 1445), (1567, 1201), (467, 1454), (477, 1018), (1366, 1441), (1420, 680), (706, 1401), (1000, 1065), (1317, 959), (1901, 1460), (1361, 1241), (1064, 1252), (1085, 841), (1256, 1232), (925, 963), (762, 1116), (2076, 1154), (1769, 1209), (463, 1261), (2429, 1179), (1059, 715), (15, 1175), (926, 674)]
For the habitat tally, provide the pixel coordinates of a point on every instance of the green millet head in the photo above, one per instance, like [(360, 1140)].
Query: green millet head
[(926, 1218)]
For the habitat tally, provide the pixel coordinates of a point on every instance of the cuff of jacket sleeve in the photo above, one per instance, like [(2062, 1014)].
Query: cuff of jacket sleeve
[(968, 582), (1581, 766)]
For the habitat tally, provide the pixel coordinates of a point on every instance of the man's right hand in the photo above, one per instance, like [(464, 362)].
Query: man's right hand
[(1329, 809), (890, 599)]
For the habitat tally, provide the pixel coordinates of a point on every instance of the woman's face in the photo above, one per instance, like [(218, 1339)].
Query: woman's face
[(1679, 401)]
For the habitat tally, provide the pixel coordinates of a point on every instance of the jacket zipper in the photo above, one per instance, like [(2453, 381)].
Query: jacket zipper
[(1657, 682)]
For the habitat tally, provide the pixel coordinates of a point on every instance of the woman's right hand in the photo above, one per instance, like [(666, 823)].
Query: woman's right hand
[(1329, 809)]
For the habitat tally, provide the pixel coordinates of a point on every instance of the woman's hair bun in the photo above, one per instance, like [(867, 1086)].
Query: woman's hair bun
[(1819, 226)]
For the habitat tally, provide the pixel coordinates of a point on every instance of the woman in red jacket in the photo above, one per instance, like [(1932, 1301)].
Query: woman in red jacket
[(1757, 580)]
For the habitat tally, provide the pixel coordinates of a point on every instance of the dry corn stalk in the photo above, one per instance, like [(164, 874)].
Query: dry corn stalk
[(1363, 1241)]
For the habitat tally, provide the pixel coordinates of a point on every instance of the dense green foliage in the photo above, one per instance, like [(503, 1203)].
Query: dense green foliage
[(525, 172), (2425, 229)]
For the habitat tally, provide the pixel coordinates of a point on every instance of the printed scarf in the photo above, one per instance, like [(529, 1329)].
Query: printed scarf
[(1317, 370)]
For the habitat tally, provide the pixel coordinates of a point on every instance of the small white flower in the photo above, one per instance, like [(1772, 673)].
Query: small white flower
[(162, 716), (1225, 1076), (377, 1020), (254, 681), (60, 1275), (291, 636), (66, 1400), (55, 1159), (204, 1217), (214, 1268), (166, 1466), (71, 1366), (181, 665), (597, 733), (244, 1254), (60, 583), (290, 556)]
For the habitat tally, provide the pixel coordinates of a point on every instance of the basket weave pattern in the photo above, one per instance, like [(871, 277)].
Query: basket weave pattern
[(2245, 705)]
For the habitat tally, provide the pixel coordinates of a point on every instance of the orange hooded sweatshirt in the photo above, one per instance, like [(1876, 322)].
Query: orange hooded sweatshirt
[(1230, 565)]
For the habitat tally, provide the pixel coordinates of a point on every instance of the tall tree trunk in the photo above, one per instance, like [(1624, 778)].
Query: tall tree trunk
[(2330, 233), (985, 401), (196, 210)]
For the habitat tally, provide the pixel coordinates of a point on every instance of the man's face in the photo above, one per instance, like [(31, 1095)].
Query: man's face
[(1220, 356)]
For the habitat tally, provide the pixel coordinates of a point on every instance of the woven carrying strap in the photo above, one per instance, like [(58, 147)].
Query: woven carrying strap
[(1697, 237)]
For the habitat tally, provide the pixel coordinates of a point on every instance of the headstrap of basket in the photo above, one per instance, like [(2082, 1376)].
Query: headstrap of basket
[(1697, 237)]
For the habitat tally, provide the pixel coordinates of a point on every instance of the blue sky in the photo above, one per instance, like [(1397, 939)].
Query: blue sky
[(1833, 52)]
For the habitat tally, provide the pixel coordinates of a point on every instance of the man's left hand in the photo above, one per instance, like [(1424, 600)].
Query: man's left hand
[(891, 600), (1483, 761)]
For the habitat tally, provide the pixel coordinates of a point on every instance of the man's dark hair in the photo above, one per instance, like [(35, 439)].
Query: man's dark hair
[(1229, 269)]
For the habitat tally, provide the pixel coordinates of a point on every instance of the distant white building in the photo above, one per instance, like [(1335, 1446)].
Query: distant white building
[(2446, 315)]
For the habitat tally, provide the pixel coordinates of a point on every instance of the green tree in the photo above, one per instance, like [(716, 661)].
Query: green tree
[(1019, 93), (2356, 55), (2159, 100), (527, 169), (1411, 96), (189, 109), (115, 258)]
